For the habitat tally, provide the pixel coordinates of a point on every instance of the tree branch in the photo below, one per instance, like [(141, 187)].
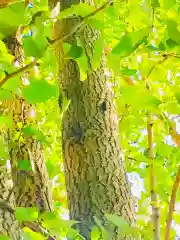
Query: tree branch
[(106, 4), (82, 19), (17, 73), (155, 209), (172, 205)]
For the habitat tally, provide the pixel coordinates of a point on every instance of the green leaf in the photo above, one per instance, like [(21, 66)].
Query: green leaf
[(177, 95), (98, 49), (104, 232), (33, 131), (5, 94), (172, 31), (54, 223), (3, 237), (35, 47), (6, 121), (28, 234), (155, 3), (12, 84), (74, 234), (26, 214), (139, 98), (128, 72), (124, 47), (39, 91), (82, 62), (3, 48), (75, 51), (5, 59), (171, 43), (95, 233), (117, 221), (81, 9), (130, 42), (167, 4), (12, 17), (24, 165)]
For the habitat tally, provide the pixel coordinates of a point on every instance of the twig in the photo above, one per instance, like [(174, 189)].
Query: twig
[(18, 72), (82, 19), (97, 10), (155, 209), (172, 205)]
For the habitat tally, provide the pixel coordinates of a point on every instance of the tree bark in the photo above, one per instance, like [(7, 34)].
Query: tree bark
[(95, 174), (28, 188), (9, 226), (31, 187)]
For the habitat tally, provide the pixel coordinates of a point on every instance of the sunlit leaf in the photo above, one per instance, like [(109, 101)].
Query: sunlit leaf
[(155, 3), (54, 223), (177, 95), (117, 221), (124, 47), (26, 214), (5, 94), (128, 72), (75, 52), (28, 234), (32, 92), (36, 132), (24, 165), (95, 233), (3, 237), (104, 232), (168, 4), (34, 47), (172, 31), (12, 17), (130, 42)]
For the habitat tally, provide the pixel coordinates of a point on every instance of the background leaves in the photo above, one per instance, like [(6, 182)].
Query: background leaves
[(140, 40)]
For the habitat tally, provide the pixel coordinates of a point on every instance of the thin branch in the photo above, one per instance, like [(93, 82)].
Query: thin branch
[(17, 73), (155, 209), (106, 4), (76, 27), (172, 205)]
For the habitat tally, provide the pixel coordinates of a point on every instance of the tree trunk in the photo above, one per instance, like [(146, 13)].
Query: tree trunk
[(28, 188), (95, 173), (31, 187), (9, 226)]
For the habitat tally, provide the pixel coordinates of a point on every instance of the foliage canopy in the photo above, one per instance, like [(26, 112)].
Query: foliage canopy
[(141, 40)]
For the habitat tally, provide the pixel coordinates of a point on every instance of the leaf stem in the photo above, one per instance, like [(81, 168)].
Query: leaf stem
[(172, 205), (155, 209)]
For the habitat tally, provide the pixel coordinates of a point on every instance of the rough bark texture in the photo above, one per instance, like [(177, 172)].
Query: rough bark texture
[(31, 187), (9, 226), (94, 169), (28, 188)]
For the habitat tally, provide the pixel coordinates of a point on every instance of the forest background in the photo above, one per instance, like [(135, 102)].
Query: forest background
[(89, 104)]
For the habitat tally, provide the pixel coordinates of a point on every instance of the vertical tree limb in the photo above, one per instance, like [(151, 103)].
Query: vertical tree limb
[(155, 209), (172, 205)]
